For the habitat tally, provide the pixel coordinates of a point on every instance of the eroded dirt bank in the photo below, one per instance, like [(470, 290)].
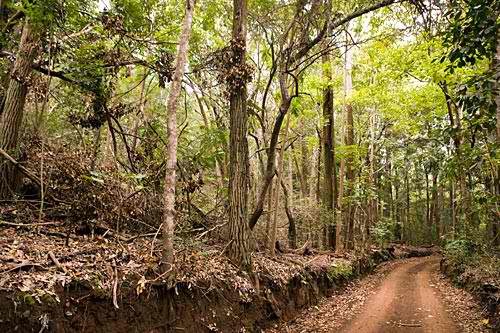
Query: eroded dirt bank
[(483, 286), (285, 286)]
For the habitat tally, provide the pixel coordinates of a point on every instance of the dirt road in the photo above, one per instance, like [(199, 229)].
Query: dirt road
[(400, 297), (407, 300)]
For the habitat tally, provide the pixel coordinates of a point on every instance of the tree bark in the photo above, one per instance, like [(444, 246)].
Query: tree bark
[(288, 194), (455, 123), (305, 164), (372, 203), (318, 166), (276, 198), (407, 219), (170, 173), (435, 203), (239, 247), (15, 98), (349, 218), (340, 205), (328, 150), (139, 118), (428, 214), (269, 217), (495, 224), (453, 209)]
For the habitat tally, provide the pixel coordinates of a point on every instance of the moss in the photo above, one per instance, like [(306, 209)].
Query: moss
[(26, 298), (48, 299), (100, 293), (340, 270)]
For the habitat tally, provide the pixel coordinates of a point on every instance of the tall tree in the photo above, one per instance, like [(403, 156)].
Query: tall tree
[(349, 215), (171, 162), (329, 177), (239, 247), (12, 114), (298, 33)]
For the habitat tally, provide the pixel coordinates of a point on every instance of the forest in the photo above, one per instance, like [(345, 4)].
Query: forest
[(161, 151)]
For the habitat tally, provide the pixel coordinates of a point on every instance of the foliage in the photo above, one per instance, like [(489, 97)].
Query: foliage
[(461, 251), (383, 232), (423, 166), (473, 31), (341, 270), (95, 198)]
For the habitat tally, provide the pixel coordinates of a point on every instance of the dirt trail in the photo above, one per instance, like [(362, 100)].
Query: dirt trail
[(407, 301), (402, 296)]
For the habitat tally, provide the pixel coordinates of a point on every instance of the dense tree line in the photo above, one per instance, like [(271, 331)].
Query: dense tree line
[(330, 124)]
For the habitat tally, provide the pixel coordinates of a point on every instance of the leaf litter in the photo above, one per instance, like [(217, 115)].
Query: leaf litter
[(100, 263)]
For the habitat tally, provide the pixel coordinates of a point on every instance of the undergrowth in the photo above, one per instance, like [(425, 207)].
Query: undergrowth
[(472, 262), (340, 270)]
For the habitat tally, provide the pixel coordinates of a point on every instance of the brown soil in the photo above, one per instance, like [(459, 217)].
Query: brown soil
[(402, 296), (225, 302), (210, 295), (406, 301)]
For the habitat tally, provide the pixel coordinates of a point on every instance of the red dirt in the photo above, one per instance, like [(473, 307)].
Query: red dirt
[(401, 296), (407, 300)]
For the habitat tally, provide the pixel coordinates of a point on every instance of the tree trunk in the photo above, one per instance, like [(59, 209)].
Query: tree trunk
[(288, 194), (292, 228), (348, 216), (239, 247), (371, 174), (170, 173), (388, 186), (438, 211), (269, 216), (349, 220), (407, 220), (455, 124), (305, 163), (204, 116), (298, 171), (12, 115), (495, 227), (434, 204), (453, 209), (328, 150), (96, 147), (340, 206), (276, 200), (428, 215), (318, 167), (139, 118), (290, 175), (271, 156)]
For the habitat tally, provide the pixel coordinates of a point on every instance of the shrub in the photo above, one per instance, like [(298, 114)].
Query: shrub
[(383, 231), (461, 252)]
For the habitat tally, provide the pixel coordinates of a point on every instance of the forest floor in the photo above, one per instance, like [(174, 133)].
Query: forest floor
[(402, 296), (38, 262)]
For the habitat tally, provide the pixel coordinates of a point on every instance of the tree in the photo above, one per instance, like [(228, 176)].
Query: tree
[(349, 140), (15, 98), (239, 247), (279, 180), (171, 160), (329, 178), (296, 47), (472, 36)]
